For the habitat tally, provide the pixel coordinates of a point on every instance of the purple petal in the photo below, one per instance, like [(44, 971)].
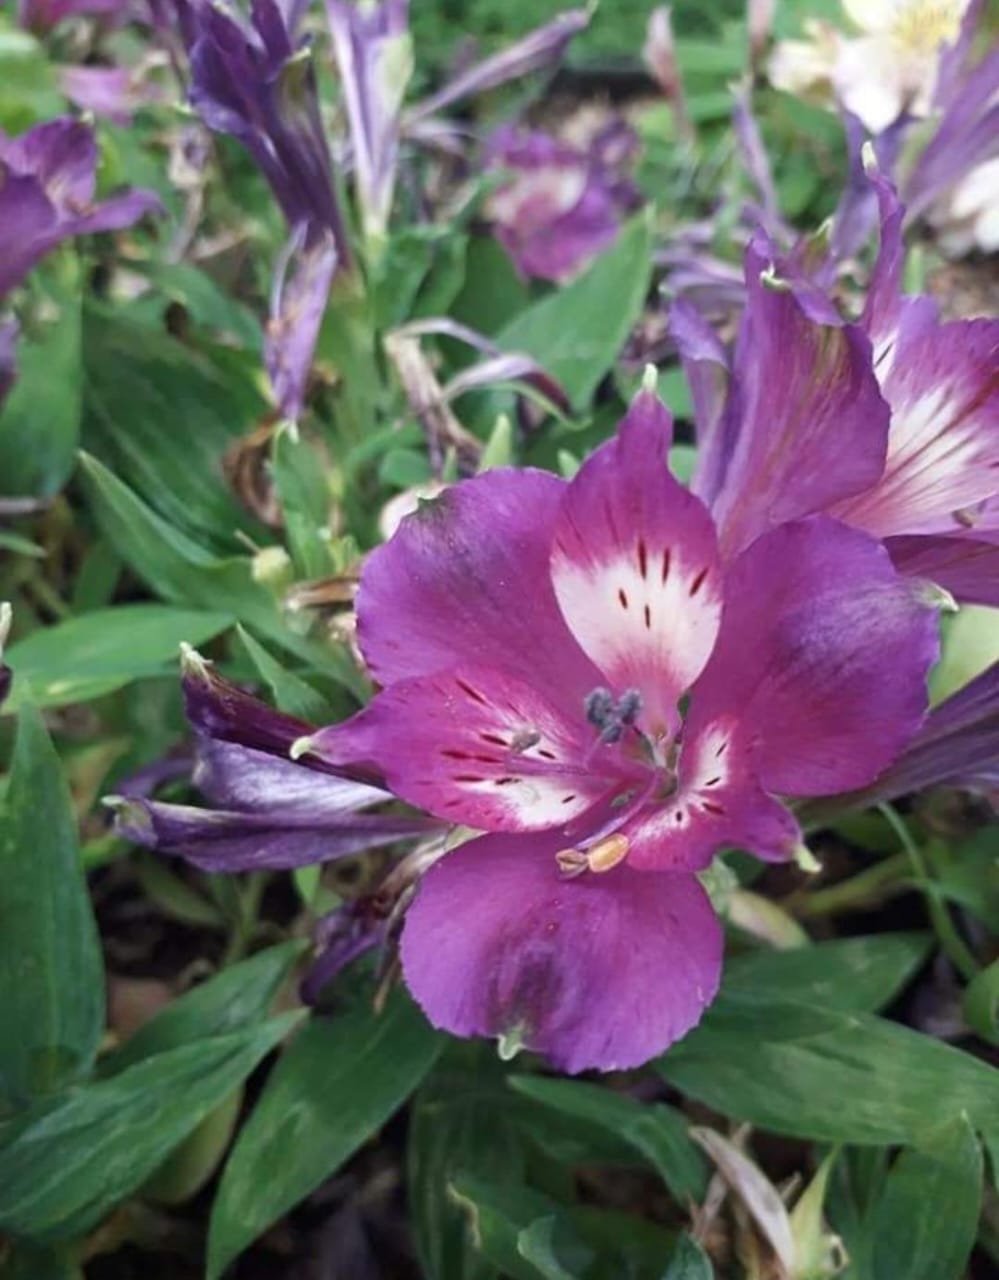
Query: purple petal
[(718, 804), (635, 567), (811, 424), (465, 581), (109, 92), (540, 48), (967, 567), (62, 155), (297, 310), (601, 972), (943, 442), (372, 49), (757, 163), (822, 658), (230, 841), (707, 370), (957, 746), (237, 777), (473, 745)]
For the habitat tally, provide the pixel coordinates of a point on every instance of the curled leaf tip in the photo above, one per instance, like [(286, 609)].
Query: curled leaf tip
[(807, 860), (191, 661), (869, 159), (300, 747), (650, 379)]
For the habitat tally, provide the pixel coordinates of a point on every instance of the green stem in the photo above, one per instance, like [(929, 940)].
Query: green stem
[(869, 886), (953, 945)]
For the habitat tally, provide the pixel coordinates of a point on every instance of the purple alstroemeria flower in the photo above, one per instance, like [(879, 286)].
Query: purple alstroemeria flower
[(373, 51), (42, 15), (561, 205), (113, 93), (571, 669), (47, 189), (268, 811), (890, 425)]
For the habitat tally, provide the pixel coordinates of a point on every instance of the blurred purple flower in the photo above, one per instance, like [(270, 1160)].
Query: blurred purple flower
[(373, 51), (47, 189), (560, 205), (891, 425), (42, 15), (569, 668), (113, 93)]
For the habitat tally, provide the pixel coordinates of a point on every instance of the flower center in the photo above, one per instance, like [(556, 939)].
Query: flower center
[(922, 26)]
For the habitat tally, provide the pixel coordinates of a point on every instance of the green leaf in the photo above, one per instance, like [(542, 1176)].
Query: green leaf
[(542, 1243), (657, 1132), (576, 332), (305, 501), (44, 405), (500, 1223), (180, 570), (981, 1003), (336, 1085), (925, 1224), (860, 974), (206, 303), (791, 1067), (26, 1262), (64, 1167), (289, 691), (51, 972), (98, 652), (689, 1262), (162, 414), (461, 1122), (233, 1000)]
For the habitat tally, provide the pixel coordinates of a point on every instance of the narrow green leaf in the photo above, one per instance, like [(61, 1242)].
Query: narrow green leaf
[(64, 1167), (981, 1003), (500, 1222), (305, 501), (338, 1082), (859, 974), (657, 1132), (790, 1067), (540, 1244), (689, 1262), (51, 972), (576, 332), (289, 691), (925, 1224), (460, 1122), (104, 650), (233, 1000)]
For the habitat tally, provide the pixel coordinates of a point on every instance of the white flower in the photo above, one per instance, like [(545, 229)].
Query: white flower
[(888, 67), (967, 217)]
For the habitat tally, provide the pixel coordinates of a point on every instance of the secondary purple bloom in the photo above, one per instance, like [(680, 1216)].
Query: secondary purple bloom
[(571, 669), (43, 15), (891, 425), (561, 205), (47, 190), (114, 93), (373, 52)]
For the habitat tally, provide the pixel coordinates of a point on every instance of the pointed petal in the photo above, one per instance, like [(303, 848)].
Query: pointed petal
[(236, 777), (705, 365), (967, 567), (473, 745), (298, 305), (603, 971), (465, 580), (228, 841), (943, 443), (812, 426), (718, 804), (822, 659), (635, 566)]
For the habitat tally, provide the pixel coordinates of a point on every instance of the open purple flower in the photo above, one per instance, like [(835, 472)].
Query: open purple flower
[(47, 189), (890, 425), (571, 669), (561, 205)]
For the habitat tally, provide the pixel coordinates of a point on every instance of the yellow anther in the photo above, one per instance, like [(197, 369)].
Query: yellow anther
[(607, 854)]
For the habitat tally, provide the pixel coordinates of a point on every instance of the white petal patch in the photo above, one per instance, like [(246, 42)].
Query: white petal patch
[(647, 616)]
